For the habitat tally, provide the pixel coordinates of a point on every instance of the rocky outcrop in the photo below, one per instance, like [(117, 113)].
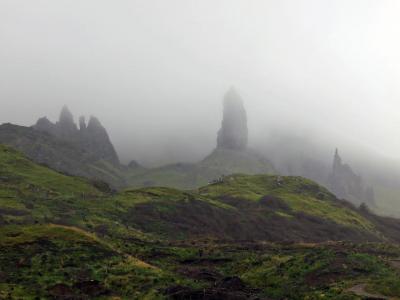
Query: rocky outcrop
[(60, 155), (92, 138), (233, 133), (346, 184), (96, 140)]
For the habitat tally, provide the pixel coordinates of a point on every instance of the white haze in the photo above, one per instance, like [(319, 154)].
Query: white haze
[(155, 72)]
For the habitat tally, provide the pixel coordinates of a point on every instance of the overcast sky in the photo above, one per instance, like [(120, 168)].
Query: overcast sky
[(155, 72)]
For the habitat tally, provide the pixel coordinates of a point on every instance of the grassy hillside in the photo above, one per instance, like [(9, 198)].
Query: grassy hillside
[(299, 194), (60, 262), (261, 236), (237, 207)]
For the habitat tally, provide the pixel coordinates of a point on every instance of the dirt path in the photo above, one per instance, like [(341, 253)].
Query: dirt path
[(92, 236), (359, 290)]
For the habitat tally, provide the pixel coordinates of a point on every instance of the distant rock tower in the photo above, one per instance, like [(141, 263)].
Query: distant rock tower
[(234, 132)]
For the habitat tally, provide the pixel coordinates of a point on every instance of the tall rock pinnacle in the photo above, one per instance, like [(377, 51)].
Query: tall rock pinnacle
[(66, 127), (66, 118), (233, 133)]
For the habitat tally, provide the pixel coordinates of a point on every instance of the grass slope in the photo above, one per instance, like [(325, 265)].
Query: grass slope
[(53, 261), (300, 194), (63, 238)]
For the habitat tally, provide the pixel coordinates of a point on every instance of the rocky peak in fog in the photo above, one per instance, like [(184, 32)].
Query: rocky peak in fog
[(97, 140), (233, 133), (92, 138), (66, 118)]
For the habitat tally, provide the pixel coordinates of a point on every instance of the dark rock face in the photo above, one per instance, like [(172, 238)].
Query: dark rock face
[(345, 184), (43, 124), (233, 133), (66, 128), (96, 140), (92, 138), (66, 119)]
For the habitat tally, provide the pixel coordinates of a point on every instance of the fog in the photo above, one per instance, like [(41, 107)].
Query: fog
[(155, 72)]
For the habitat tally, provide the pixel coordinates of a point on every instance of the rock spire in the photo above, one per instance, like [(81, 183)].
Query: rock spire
[(233, 133)]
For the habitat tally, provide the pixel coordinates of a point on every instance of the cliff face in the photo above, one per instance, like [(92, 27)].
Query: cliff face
[(92, 138), (233, 133), (346, 184)]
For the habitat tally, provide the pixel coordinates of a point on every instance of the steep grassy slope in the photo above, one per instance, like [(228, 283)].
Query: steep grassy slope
[(64, 237), (32, 193)]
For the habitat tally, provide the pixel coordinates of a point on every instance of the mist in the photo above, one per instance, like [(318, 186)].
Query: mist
[(155, 72)]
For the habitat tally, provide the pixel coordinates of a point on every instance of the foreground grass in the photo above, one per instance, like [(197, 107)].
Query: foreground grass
[(63, 236)]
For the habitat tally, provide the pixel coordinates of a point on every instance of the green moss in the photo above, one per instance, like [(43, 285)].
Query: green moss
[(302, 195), (45, 255), (16, 170)]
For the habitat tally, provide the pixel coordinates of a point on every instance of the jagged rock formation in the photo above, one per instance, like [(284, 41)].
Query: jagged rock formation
[(61, 155), (346, 184), (233, 133), (93, 138), (96, 140), (85, 151)]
